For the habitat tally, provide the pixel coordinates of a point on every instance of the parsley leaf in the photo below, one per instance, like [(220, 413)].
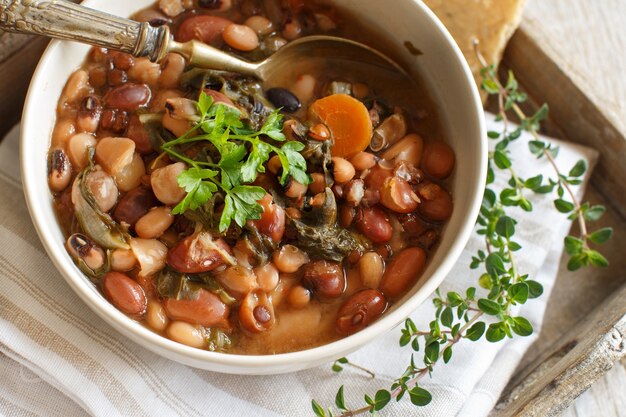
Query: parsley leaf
[(241, 204), (293, 162), (198, 190), (258, 155), (273, 126)]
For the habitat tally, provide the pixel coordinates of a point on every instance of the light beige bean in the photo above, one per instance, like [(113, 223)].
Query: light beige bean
[(363, 160), (267, 276), (114, 154), (260, 24), (171, 8), (123, 260), (343, 171), (289, 259), (240, 37), (187, 334), (165, 183), (294, 189), (238, 280), (299, 296), (156, 316), (154, 223), (129, 177), (177, 126), (304, 87), (157, 104), (77, 149), (172, 68), (371, 269), (63, 131), (145, 71), (77, 87)]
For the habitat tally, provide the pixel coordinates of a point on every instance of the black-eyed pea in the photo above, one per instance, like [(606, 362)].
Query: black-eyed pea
[(171, 70), (59, 170), (343, 171)]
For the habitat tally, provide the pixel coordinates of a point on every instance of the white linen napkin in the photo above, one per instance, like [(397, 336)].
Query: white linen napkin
[(57, 358)]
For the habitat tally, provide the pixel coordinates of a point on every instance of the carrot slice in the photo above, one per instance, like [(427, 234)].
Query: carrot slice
[(348, 120)]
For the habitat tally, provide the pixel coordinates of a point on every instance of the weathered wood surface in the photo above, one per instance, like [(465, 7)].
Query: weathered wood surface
[(570, 53)]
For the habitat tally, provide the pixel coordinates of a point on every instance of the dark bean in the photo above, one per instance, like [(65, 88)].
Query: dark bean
[(121, 60), (210, 4), (134, 205), (117, 77), (128, 96), (155, 23), (138, 134), (262, 314), (325, 279), (281, 97), (114, 120), (359, 310), (373, 223)]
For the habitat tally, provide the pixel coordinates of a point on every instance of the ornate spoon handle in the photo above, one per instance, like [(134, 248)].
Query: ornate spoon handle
[(64, 20)]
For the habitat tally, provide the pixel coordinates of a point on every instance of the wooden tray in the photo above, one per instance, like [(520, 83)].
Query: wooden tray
[(584, 331)]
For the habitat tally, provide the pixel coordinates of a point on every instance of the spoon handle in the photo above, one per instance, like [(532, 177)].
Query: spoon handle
[(64, 20)]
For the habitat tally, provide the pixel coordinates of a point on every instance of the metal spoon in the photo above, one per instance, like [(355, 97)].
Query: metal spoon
[(64, 20)]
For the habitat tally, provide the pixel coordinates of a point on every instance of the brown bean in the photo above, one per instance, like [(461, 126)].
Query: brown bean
[(59, 170), (319, 183), (373, 223), (326, 279), (133, 205), (114, 120), (436, 202), (207, 29), (319, 132), (128, 96), (438, 159), (199, 253), (359, 310), (397, 195), (402, 272), (138, 134), (117, 77), (121, 60), (256, 313), (347, 214), (206, 310), (124, 293)]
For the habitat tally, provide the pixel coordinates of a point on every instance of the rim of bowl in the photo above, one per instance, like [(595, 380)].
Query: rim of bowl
[(338, 348)]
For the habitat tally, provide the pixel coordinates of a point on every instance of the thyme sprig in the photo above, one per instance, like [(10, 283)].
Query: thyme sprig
[(468, 316)]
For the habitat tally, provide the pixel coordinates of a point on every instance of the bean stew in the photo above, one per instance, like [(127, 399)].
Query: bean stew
[(238, 217)]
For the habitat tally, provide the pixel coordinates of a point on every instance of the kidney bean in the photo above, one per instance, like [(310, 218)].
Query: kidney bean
[(206, 310), (359, 310), (59, 170), (397, 195), (408, 172), (412, 224), (137, 133), (326, 279), (436, 202), (116, 77), (199, 253), (121, 60), (438, 159), (256, 313), (124, 293), (272, 221), (281, 97), (128, 96), (207, 29), (408, 149), (133, 205), (373, 223), (402, 272)]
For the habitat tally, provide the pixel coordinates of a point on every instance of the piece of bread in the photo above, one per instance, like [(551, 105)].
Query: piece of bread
[(492, 22)]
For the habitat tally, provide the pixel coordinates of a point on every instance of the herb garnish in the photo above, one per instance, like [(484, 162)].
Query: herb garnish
[(461, 316), (243, 153)]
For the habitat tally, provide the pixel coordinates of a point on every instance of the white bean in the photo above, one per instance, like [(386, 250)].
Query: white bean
[(187, 334), (156, 317), (154, 223)]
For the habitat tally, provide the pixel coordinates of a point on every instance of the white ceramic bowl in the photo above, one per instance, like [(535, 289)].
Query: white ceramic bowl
[(450, 82)]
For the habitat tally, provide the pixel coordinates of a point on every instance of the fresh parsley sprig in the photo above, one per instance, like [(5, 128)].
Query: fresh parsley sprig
[(464, 316), (243, 154)]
